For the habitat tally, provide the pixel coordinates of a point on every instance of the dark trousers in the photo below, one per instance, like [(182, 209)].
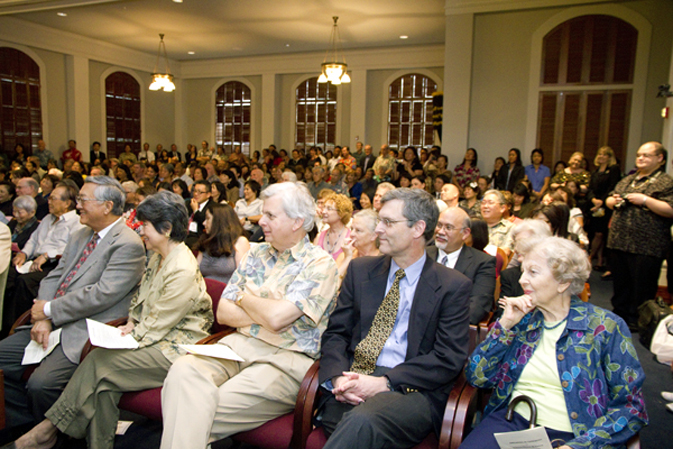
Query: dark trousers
[(27, 402), (635, 280), (389, 419), (482, 436), (20, 291)]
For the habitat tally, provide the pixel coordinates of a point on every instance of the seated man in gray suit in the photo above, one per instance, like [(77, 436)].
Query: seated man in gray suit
[(453, 228), (96, 278)]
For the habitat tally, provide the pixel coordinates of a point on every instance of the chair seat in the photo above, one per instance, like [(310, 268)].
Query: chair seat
[(275, 434), (146, 403), (317, 439)]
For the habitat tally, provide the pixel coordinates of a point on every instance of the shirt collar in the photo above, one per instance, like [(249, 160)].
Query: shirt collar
[(412, 272), (297, 251), (103, 233), (68, 216)]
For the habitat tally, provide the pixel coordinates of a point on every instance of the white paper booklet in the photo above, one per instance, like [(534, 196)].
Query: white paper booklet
[(217, 351), (524, 439), (109, 337), (34, 352), (25, 268)]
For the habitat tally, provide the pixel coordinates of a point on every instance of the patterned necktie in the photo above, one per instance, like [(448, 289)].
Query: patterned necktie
[(445, 259), (88, 249), (368, 350)]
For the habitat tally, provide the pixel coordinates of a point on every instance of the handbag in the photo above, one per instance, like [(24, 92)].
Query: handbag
[(650, 313), (662, 341)]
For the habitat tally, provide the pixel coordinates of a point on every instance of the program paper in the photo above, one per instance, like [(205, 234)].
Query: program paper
[(535, 438), (109, 337), (34, 352)]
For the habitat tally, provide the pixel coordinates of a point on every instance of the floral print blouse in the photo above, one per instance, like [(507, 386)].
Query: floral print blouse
[(464, 176), (600, 373)]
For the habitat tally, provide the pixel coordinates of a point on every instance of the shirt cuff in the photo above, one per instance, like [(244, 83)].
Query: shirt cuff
[(327, 385), (47, 310)]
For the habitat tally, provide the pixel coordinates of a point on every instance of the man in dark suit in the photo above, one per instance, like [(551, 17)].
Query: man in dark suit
[(96, 153), (198, 204), (367, 160), (96, 278), (398, 337), (453, 228)]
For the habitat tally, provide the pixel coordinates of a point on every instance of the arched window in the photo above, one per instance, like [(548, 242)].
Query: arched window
[(232, 109), (586, 84), (410, 111), (21, 115), (122, 110), (316, 105)]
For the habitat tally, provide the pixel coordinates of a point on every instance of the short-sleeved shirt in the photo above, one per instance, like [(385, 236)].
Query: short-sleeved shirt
[(536, 178), (636, 229), (500, 235), (305, 275)]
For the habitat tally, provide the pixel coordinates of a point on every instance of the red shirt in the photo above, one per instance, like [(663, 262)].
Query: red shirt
[(73, 154)]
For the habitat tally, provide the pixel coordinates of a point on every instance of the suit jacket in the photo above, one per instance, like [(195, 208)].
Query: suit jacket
[(437, 335), (509, 282), (518, 173), (101, 289), (93, 155), (199, 216), (367, 162), (479, 267)]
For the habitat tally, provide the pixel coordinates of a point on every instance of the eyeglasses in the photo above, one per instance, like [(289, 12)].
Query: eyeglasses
[(448, 228), (200, 192), (82, 200), (388, 223)]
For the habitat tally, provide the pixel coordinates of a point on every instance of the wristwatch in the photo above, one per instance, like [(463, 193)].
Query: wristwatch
[(388, 384), (239, 298)]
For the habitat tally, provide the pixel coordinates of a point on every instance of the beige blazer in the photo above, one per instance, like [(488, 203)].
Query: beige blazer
[(172, 306)]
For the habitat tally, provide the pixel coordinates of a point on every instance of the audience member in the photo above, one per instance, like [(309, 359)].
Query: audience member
[(96, 155), (279, 300), (249, 208), (493, 208), (7, 195), (384, 165), (379, 390), (28, 186), (47, 185), (538, 174), (381, 190), (318, 183), (24, 222), (201, 194), (362, 241), (471, 204), (336, 213), (43, 154), (105, 282), (511, 174), (449, 249), (573, 171), (72, 153), (467, 171), (478, 238)]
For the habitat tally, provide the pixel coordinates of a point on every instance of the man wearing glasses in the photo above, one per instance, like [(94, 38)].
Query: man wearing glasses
[(198, 204), (398, 337), (96, 278), (453, 229)]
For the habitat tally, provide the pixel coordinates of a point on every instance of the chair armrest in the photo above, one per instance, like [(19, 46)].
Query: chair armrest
[(20, 321), (305, 408), (212, 339), (634, 442), (2, 400)]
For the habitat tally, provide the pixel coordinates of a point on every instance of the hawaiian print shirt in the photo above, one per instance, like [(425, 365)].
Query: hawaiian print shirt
[(600, 373), (305, 275), (500, 235)]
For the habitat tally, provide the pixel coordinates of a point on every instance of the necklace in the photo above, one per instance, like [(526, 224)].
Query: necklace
[(555, 325), (330, 248)]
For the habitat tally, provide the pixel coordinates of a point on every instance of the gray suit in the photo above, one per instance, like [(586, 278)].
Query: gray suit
[(480, 268), (101, 290)]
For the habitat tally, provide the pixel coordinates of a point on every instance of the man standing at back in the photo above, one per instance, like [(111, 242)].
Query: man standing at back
[(96, 278), (398, 337)]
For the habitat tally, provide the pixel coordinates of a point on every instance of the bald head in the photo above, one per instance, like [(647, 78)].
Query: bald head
[(450, 195), (453, 228)]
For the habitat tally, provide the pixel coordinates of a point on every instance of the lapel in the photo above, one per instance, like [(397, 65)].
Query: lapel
[(98, 252), (464, 260), (425, 300), (372, 292)]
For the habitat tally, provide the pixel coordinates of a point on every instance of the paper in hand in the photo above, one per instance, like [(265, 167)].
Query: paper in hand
[(535, 438), (35, 352), (25, 268), (109, 337)]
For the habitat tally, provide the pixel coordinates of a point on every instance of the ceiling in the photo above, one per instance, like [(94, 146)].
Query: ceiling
[(234, 28)]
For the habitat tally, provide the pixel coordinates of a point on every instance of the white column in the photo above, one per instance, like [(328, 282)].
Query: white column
[(268, 119), (358, 107), (77, 95), (179, 132), (457, 83)]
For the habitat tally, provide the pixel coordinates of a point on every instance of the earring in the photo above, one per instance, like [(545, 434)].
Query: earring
[(168, 234)]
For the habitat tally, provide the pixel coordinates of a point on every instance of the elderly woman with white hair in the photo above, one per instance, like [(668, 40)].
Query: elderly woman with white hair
[(363, 240), (575, 360), (24, 222)]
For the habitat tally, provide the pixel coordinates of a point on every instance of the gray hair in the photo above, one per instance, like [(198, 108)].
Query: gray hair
[(25, 202), (419, 205), (165, 210), (31, 182), (497, 193), (130, 186), (566, 260), (533, 230), (108, 189), (289, 176), (385, 186), (296, 200), (371, 218), (170, 168)]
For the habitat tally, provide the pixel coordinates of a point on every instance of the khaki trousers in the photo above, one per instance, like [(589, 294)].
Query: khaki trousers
[(88, 405), (206, 399)]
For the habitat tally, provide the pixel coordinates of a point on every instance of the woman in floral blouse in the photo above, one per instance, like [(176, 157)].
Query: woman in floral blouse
[(575, 360), (467, 171)]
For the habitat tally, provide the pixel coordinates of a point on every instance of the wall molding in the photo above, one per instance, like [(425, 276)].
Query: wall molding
[(481, 6)]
